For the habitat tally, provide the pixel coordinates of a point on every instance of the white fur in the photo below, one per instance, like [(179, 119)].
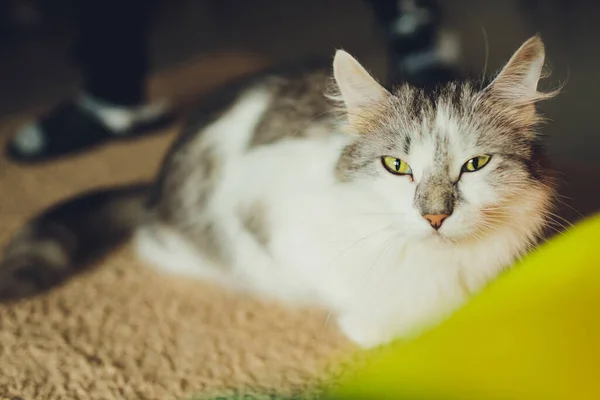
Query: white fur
[(359, 249)]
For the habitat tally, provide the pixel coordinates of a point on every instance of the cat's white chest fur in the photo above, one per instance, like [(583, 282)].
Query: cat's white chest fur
[(380, 282)]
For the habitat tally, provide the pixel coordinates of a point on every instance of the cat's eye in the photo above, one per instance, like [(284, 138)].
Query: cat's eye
[(476, 163), (396, 166)]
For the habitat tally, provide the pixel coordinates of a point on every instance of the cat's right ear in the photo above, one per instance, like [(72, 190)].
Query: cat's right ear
[(357, 88)]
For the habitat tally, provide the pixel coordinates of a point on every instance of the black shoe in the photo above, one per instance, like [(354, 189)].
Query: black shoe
[(69, 129)]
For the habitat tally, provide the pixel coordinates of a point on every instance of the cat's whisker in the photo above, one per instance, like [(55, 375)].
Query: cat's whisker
[(487, 55), (545, 224), (375, 233), (381, 214), (385, 248), (547, 217), (560, 218), (326, 322)]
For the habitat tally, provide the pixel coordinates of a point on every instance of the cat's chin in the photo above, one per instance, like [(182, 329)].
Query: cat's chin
[(448, 238), (433, 237), (442, 238)]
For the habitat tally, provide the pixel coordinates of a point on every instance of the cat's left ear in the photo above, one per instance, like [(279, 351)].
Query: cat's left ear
[(517, 82), (358, 89)]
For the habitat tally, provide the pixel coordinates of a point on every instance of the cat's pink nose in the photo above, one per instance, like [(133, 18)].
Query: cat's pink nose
[(436, 220)]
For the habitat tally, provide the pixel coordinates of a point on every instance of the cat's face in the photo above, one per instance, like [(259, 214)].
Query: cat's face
[(456, 165)]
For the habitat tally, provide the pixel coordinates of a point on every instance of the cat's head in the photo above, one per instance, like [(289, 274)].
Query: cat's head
[(456, 164)]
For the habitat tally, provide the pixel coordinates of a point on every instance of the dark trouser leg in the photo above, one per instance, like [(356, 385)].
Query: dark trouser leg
[(412, 30), (112, 48)]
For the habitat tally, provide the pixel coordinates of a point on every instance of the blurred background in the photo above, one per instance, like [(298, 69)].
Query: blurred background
[(198, 44)]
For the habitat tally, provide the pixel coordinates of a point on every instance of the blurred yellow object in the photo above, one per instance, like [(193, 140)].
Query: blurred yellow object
[(532, 334)]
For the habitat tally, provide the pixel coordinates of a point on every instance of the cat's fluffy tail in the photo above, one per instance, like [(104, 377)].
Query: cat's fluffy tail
[(62, 239)]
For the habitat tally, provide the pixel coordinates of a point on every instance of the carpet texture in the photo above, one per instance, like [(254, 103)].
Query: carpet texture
[(120, 329)]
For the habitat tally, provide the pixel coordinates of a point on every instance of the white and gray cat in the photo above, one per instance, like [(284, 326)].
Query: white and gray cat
[(387, 208)]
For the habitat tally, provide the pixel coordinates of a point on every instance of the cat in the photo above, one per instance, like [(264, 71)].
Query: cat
[(389, 208)]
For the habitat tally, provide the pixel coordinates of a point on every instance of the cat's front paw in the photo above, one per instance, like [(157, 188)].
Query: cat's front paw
[(363, 331)]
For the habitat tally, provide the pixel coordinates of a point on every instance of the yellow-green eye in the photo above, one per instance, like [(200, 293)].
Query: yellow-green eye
[(476, 163), (396, 166)]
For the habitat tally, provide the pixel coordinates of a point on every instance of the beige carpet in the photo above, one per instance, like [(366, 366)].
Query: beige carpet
[(121, 330)]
